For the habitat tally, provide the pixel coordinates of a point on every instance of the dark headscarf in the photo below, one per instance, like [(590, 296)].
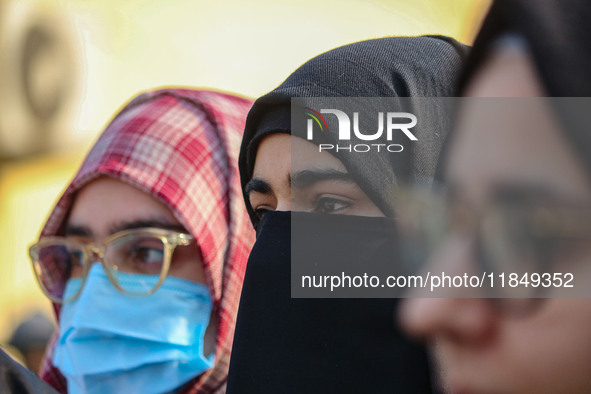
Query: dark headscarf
[(387, 67), (557, 34)]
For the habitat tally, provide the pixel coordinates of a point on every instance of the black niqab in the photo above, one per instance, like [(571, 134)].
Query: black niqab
[(557, 34)]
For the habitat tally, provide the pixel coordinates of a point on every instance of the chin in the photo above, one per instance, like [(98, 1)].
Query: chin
[(467, 380), (463, 388), (478, 383)]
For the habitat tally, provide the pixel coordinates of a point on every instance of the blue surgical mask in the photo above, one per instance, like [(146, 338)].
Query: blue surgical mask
[(110, 342)]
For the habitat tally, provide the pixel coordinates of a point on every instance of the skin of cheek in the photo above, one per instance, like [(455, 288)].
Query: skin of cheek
[(547, 352), (560, 335), (553, 347), (187, 263)]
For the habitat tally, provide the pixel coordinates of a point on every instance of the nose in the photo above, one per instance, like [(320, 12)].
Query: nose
[(284, 203), (465, 320), (461, 320), (95, 254)]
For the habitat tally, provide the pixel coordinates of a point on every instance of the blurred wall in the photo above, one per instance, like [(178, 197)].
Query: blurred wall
[(94, 55)]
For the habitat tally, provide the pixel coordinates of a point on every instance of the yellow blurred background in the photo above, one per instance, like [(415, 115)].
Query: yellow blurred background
[(67, 66)]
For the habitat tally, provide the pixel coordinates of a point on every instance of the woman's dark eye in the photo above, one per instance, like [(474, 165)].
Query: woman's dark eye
[(76, 258), (147, 255), (330, 205), (260, 212)]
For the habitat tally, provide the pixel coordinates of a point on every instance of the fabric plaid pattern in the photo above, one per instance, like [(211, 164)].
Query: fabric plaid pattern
[(180, 146)]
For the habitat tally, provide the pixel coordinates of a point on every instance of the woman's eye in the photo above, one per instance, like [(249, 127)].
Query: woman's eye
[(260, 212), (147, 255), (330, 205), (76, 258)]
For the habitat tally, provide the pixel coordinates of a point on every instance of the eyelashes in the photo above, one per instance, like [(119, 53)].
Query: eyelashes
[(330, 204), (260, 212), (323, 203)]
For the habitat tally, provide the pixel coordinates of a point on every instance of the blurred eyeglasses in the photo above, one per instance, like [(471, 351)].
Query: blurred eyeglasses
[(140, 251), (516, 231)]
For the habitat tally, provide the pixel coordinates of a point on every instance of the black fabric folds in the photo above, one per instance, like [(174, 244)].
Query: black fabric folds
[(14, 378), (557, 33), (388, 67), (285, 345)]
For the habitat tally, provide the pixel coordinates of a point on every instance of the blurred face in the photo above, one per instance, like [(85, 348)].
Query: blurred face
[(314, 182), (481, 348)]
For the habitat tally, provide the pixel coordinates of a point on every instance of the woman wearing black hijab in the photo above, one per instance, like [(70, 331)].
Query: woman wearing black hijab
[(521, 169), (294, 345)]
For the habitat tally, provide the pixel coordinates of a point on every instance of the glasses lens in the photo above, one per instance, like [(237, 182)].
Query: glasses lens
[(508, 247), (136, 262), (423, 223), (55, 264)]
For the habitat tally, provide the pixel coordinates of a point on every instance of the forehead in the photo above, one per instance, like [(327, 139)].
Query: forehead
[(280, 155), (106, 202), (502, 139)]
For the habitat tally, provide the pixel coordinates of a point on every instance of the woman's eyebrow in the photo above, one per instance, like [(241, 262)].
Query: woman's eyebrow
[(524, 191), (306, 178), (259, 186), (77, 230), (521, 191), (143, 223)]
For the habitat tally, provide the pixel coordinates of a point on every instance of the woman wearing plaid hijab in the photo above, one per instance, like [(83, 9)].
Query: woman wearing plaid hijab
[(157, 206)]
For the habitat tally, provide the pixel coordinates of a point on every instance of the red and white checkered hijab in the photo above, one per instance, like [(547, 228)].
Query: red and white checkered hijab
[(181, 147)]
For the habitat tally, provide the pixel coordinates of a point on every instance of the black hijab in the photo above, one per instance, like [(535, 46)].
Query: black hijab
[(388, 67), (558, 37), (558, 34)]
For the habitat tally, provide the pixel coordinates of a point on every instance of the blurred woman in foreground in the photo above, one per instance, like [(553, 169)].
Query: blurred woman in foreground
[(518, 179)]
